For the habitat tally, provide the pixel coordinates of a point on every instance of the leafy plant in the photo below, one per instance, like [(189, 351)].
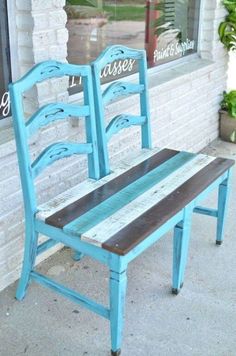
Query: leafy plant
[(229, 103), (227, 28)]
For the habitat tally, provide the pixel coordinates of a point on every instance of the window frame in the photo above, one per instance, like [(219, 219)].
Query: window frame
[(13, 51), (157, 69)]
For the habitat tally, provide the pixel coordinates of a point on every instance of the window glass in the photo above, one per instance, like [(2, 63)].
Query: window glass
[(167, 29), (4, 62)]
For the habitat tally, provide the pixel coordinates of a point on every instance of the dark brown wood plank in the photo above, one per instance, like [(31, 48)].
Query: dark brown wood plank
[(130, 236), (89, 201)]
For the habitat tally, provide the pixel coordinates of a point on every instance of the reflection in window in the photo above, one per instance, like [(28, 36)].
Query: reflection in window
[(167, 29)]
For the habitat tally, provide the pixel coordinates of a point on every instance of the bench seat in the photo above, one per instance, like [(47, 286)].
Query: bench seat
[(122, 209)]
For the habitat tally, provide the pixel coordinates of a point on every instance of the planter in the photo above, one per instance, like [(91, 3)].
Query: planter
[(227, 127)]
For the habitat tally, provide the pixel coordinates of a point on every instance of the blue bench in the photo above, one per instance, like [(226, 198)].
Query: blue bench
[(118, 212)]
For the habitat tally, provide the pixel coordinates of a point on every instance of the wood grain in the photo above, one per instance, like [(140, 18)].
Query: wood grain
[(127, 238), (92, 199)]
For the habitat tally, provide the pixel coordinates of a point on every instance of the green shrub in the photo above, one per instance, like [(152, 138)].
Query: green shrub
[(229, 103), (227, 28)]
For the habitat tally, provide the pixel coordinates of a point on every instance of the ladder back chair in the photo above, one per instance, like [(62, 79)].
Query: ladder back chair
[(29, 171), (118, 90), (165, 186)]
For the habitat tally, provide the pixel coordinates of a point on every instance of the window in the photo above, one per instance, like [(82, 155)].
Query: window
[(167, 29), (4, 62)]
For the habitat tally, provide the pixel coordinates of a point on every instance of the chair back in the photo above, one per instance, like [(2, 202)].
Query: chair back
[(113, 92), (55, 111)]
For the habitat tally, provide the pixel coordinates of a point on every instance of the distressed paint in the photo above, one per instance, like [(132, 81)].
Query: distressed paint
[(109, 55), (180, 248), (123, 121), (57, 151), (223, 199), (116, 264), (41, 72), (52, 112), (132, 210), (118, 89), (127, 195), (71, 195)]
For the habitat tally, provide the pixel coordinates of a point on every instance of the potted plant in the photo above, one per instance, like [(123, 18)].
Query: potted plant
[(227, 28), (228, 117)]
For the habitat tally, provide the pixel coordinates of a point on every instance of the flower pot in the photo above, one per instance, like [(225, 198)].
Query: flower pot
[(227, 127)]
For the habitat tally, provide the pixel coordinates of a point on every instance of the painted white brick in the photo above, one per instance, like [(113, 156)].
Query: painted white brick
[(62, 36), (24, 22), (44, 38), (23, 5), (41, 22), (57, 18), (24, 39), (41, 5)]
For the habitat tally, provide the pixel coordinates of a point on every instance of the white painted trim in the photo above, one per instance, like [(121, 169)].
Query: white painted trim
[(200, 28), (11, 13)]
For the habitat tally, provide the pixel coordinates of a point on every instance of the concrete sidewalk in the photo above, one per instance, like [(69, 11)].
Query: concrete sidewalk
[(201, 320)]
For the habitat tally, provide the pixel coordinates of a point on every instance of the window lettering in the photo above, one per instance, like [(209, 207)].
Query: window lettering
[(5, 104)]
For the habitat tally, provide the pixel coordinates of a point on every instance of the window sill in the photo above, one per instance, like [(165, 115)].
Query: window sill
[(166, 75), (157, 78)]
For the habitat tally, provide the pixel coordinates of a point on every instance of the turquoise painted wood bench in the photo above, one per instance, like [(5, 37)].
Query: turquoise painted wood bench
[(118, 212)]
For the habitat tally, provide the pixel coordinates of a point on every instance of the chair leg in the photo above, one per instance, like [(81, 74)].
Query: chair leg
[(31, 241), (180, 250), (118, 282), (223, 197), (77, 256)]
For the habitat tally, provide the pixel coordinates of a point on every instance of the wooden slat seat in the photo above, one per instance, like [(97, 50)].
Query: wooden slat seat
[(121, 210)]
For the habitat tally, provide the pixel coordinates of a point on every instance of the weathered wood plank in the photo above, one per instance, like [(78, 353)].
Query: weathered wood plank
[(130, 212), (126, 195), (131, 235), (75, 193), (91, 200)]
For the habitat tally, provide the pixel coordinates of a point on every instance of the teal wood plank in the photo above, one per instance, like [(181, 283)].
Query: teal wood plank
[(168, 225), (57, 151), (53, 112), (126, 195)]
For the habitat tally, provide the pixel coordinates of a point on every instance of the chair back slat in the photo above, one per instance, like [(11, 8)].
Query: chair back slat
[(123, 121), (46, 115), (57, 151), (115, 53), (53, 112), (47, 70), (115, 91), (118, 89)]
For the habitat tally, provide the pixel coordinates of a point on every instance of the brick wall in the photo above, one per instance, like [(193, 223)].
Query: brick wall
[(184, 106)]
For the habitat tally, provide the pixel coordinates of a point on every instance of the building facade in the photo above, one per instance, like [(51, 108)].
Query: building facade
[(187, 75)]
